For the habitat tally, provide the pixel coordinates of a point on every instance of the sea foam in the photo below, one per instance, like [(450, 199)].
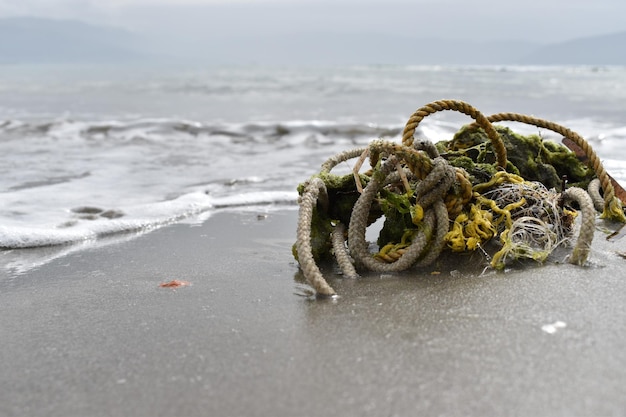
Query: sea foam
[(137, 218)]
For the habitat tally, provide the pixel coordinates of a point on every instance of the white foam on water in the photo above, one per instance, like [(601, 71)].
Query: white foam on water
[(136, 218)]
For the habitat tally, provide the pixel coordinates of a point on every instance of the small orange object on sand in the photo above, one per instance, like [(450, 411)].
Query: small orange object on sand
[(174, 284)]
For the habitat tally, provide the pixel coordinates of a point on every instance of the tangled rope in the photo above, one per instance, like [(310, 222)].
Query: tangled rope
[(456, 195)]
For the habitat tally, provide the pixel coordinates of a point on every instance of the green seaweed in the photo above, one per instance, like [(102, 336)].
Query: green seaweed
[(528, 156), (397, 209)]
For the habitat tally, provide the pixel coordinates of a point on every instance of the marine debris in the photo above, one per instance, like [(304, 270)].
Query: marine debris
[(485, 185), (175, 283)]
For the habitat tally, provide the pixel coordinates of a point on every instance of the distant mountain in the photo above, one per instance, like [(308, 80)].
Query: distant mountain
[(596, 50), (36, 40), (325, 48), (365, 48)]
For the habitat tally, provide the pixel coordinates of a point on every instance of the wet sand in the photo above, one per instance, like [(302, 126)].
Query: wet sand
[(91, 333)]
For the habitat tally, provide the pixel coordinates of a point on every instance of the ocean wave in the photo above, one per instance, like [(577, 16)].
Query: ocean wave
[(164, 129), (68, 181), (93, 222), (151, 127)]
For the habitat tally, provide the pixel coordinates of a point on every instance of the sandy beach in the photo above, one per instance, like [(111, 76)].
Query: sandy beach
[(92, 333)]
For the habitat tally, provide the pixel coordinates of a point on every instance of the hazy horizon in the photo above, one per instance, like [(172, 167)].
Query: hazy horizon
[(482, 20)]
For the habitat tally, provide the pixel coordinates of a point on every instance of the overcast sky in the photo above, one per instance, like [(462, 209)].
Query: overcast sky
[(534, 20)]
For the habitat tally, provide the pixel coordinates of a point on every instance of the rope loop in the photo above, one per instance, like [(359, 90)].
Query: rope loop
[(429, 193), (462, 107)]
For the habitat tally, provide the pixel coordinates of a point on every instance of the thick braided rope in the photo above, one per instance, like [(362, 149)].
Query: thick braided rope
[(341, 253), (440, 178), (596, 164), (587, 227), (335, 160), (430, 193), (311, 272), (439, 240), (465, 108), (417, 162), (594, 192), (360, 210), (435, 185)]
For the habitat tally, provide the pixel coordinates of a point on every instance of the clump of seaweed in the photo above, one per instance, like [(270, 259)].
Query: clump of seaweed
[(487, 184), (528, 156)]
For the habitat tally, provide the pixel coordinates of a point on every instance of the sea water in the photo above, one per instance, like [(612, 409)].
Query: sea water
[(88, 152)]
